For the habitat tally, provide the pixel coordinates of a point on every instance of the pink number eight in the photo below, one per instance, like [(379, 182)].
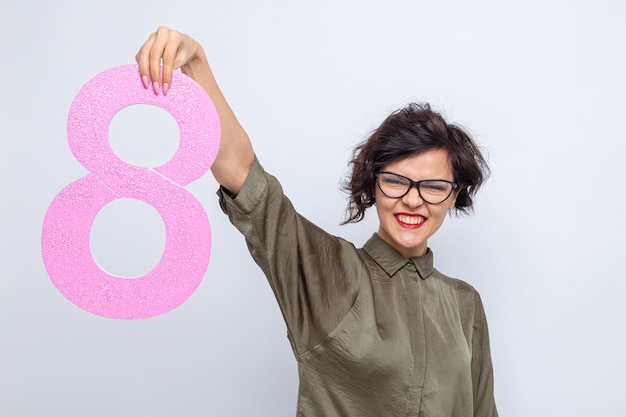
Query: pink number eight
[(67, 225)]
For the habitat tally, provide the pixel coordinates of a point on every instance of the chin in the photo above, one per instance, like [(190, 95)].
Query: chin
[(412, 249)]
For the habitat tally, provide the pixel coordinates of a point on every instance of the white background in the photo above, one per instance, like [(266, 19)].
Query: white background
[(540, 84)]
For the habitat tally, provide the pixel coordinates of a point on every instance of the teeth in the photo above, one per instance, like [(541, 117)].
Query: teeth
[(411, 219)]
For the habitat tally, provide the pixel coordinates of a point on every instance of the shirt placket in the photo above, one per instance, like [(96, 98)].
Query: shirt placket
[(414, 295)]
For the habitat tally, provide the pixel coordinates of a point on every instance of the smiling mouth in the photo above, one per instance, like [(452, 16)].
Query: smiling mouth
[(410, 220)]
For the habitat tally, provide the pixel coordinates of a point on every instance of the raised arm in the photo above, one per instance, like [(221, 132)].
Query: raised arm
[(174, 50)]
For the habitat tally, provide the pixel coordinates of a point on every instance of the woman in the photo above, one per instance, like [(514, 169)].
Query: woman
[(377, 331)]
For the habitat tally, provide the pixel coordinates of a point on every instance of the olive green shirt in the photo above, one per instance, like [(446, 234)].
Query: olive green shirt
[(374, 333)]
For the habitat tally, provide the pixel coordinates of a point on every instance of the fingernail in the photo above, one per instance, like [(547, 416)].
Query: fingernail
[(166, 87), (145, 81), (155, 87)]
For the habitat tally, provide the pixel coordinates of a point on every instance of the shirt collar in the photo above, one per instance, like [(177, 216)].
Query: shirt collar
[(391, 261)]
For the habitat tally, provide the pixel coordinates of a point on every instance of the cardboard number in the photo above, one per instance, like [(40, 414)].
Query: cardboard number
[(67, 225)]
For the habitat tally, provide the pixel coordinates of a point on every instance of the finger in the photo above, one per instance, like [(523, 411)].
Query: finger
[(155, 56), (170, 54), (143, 60)]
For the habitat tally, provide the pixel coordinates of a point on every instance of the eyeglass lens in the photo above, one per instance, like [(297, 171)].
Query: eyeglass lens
[(431, 191)]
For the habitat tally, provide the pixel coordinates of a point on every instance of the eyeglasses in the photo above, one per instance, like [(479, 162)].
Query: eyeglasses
[(431, 191)]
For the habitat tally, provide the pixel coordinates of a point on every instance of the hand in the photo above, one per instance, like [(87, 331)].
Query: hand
[(175, 50), (171, 49)]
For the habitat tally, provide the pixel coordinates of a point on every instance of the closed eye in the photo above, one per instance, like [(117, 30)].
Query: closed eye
[(435, 186), (394, 181)]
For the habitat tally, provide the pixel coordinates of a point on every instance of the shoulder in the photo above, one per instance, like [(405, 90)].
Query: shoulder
[(467, 297)]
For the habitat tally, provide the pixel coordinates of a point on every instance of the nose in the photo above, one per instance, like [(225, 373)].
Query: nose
[(413, 197)]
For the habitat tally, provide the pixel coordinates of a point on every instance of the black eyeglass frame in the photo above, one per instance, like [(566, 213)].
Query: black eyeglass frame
[(416, 184)]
